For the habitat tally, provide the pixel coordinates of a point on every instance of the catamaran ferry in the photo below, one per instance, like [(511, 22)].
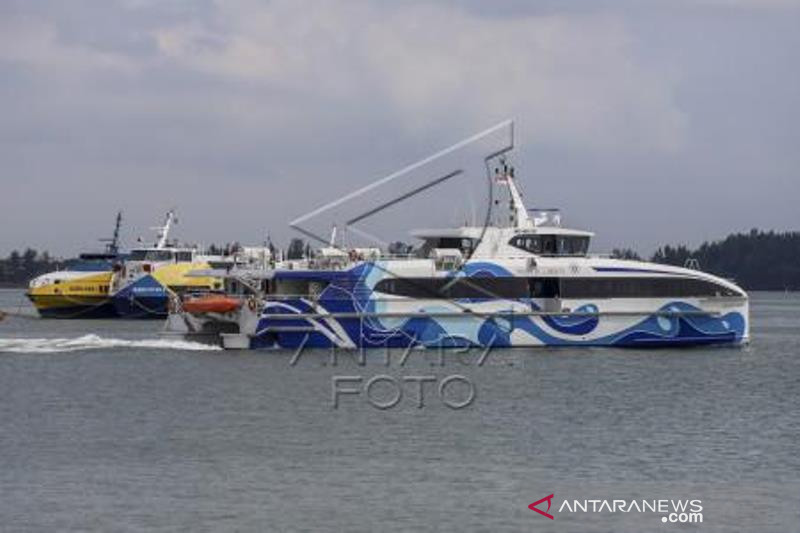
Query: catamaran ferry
[(528, 282)]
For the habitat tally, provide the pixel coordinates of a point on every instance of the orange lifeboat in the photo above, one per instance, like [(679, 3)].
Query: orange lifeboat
[(211, 303)]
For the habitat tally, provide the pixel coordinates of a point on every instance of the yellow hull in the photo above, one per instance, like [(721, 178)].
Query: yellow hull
[(65, 295)]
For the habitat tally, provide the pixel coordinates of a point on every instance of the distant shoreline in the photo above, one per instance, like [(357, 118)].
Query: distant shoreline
[(756, 261)]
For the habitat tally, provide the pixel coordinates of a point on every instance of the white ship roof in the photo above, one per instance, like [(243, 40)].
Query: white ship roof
[(475, 232)]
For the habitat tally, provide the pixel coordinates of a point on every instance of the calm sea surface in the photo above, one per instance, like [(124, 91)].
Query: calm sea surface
[(106, 426)]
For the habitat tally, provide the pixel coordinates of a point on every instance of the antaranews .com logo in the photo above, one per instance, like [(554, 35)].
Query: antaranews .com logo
[(671, 511)]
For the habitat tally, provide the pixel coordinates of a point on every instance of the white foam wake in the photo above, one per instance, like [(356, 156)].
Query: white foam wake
[(93, 342)]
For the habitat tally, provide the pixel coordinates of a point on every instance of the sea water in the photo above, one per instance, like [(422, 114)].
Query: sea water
[(108, 426)]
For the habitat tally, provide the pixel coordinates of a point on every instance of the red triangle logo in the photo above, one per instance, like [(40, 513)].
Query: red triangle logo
[(547, 499)]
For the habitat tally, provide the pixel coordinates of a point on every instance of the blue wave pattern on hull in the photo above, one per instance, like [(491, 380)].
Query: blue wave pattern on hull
[(350, 292), (144, 298)]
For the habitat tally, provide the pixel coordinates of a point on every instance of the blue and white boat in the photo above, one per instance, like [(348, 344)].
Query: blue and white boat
[(142, 284), (528, 282)]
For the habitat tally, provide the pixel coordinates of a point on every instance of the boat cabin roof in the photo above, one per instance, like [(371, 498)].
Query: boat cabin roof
[(475, 232)]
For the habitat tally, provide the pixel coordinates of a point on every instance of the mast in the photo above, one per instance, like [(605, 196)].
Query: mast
[(519, 215), (332, 242), (113, 243), (163, 231), (113, 247)]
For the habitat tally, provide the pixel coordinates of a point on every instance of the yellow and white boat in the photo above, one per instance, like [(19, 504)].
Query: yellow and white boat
[(82, 289), (72, 294)]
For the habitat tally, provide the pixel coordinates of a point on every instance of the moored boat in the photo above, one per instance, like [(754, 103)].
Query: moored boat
[(81, 290), (141, 285)]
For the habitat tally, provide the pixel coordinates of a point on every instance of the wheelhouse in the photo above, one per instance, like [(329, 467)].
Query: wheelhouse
[(552, 244)]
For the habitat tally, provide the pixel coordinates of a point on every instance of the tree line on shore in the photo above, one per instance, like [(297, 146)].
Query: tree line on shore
[(19, 267), (758, 260)]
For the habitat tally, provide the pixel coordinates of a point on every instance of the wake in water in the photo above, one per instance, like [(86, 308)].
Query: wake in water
[(92, 342)]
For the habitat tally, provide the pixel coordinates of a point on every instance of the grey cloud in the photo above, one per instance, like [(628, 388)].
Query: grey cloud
[(646, 125)]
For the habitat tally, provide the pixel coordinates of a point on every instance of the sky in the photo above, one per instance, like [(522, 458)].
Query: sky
[(645, 121)]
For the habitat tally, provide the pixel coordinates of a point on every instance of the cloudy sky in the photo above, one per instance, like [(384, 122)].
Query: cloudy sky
[(645, 121)]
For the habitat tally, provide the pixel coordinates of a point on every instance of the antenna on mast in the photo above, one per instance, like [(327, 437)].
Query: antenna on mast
[(113, 243)]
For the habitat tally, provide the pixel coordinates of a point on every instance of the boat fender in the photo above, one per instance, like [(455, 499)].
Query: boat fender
[(251, 304)]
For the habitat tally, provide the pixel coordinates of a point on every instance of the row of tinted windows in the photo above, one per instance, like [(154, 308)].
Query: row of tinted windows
[(455, 288), (160, 255), (640, 288), (551, 244), (574, 288)]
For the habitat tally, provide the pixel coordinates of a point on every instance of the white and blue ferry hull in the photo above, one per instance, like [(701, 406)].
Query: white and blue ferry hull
[(349, 314)]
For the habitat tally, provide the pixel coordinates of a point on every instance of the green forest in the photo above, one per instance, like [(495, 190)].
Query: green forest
[(758, 260), (19, 267)]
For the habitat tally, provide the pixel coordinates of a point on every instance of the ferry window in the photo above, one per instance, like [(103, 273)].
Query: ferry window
[(138, 255), (640, 287), (159, 255), (543, 287), (475, 287), (548, 244), (457, 243), (529, 243), (580, 245), (551, 244), (184, 256), (449, 243), (563, 246)]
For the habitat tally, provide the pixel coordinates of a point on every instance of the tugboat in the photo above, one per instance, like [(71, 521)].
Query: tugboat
[(81, 290)]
